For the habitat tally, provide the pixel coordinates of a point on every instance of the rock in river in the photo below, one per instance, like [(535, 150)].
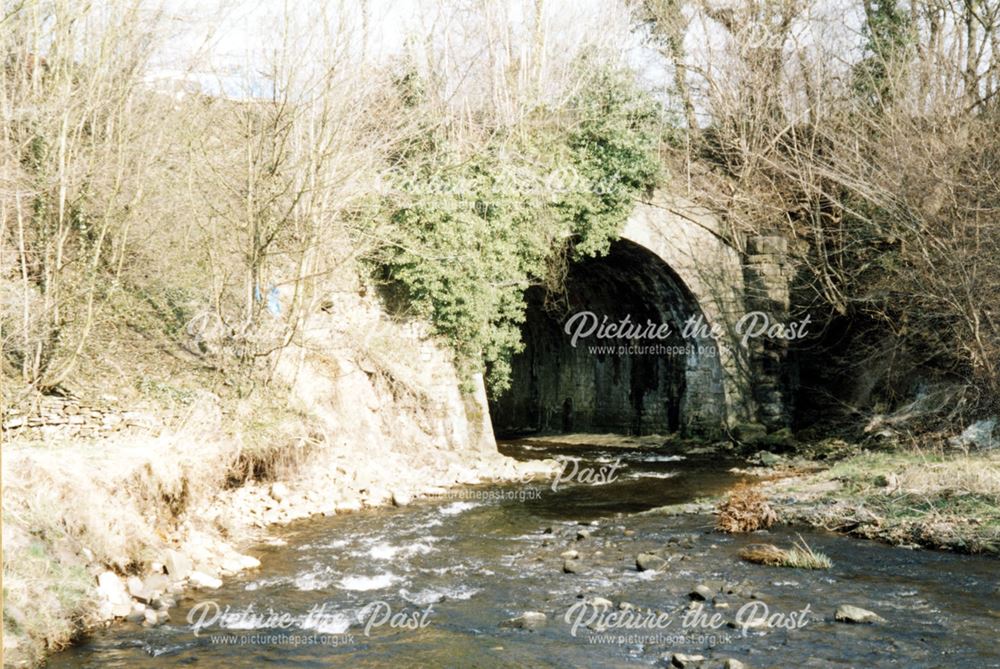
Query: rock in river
[(648, 561), (529, 620), (683, 660), (203, 580), (855, 614), (702, 592)]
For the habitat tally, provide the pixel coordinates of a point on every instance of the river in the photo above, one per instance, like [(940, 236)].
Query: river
[(433, 584)]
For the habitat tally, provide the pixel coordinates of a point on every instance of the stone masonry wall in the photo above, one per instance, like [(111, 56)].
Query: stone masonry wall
[(767, 277), (71, 417)]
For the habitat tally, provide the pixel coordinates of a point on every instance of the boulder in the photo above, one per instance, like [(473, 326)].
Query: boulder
[(572, 567), (855, 614), (279, 492), (137, 614), (401, 498), (750, 434), (978, 435), (163, 602), (766, 459), (111, 589), (348, 506), (121, 609), (702, 592), (529, 620), (600, 602), (204, 581), (377, 496), (135, 586), (683, 660), (649, 562), (177, 564), (152, 587), (230, 565), (249, 562)]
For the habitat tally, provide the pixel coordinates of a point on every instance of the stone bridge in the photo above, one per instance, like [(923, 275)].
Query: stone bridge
[(675, 265)]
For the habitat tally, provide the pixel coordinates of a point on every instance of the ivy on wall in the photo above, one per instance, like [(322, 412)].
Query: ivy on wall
[(471, 229)]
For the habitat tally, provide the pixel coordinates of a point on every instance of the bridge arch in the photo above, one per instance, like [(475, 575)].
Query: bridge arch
[(671, 264)]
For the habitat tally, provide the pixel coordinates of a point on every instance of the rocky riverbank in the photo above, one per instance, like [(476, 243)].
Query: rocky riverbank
[(101, 525), (943, 495), (939, 497), (79, 587), (201, 559)]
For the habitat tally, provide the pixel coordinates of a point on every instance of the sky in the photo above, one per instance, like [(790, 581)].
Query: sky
[(218, 43), (224, 46)]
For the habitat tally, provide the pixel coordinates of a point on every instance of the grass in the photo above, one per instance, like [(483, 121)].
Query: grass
[(45, 600), (799, 556), (934, 498)]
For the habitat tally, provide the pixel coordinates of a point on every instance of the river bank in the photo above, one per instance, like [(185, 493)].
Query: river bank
[(934, 499), (939, 496), (523, 574), (106, 516), (61, 580)]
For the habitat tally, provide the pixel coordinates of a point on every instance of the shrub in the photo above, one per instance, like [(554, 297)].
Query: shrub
[(744, 510)]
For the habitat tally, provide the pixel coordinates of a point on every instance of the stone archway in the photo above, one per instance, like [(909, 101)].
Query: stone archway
[(692, 242), (671, 263)]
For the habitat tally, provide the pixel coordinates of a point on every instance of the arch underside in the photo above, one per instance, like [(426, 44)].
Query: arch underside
[(643, 386)]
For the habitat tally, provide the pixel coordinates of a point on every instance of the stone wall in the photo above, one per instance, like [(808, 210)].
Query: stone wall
[(767, 273), (70, 417)]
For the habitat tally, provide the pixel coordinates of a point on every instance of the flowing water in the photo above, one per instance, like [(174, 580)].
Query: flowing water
[(431, 585)]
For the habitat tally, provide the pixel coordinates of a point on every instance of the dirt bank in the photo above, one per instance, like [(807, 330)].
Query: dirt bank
[(362, 411)]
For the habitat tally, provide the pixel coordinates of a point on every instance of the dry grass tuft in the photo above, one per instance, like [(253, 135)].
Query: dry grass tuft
[(745, 510), (799, 556), (768, 554)]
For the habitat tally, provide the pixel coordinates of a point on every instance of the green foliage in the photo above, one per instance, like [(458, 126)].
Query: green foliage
[(888, 36), (469, 233)]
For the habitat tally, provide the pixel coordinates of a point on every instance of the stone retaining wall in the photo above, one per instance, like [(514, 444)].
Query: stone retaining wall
[(68, 416)]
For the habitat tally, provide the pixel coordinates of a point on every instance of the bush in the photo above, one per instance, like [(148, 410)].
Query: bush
[(745, 510)]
